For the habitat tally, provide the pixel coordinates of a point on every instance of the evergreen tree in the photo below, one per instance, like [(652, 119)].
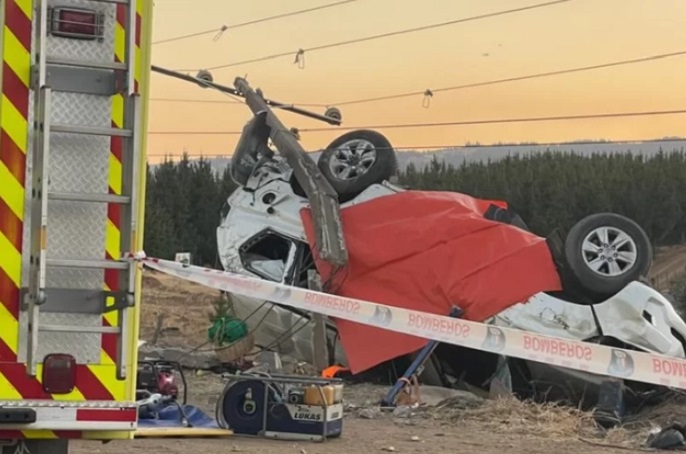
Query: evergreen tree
[(185, 199)]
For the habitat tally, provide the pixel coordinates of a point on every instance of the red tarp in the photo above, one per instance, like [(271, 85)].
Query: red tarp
[(428, 251)]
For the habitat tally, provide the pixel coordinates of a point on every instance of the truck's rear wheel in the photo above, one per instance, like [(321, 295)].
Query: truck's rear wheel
[(607, 251), (357, 160)]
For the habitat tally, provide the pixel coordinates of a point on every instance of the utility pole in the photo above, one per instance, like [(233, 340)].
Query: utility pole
[(322, 196)]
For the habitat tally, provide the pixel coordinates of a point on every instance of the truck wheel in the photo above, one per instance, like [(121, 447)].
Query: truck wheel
[(357, 160), (607, 251)]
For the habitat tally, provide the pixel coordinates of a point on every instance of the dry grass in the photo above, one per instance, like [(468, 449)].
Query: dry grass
[(177, 310), (515, 418), (512, 416)]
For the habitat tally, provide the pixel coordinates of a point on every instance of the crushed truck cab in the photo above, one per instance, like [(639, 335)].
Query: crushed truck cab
[(72, 146)]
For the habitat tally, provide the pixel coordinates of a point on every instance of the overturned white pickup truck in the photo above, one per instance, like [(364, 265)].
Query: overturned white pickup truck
[(600, 264)]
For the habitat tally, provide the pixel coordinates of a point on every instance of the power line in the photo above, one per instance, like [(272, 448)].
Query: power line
[(212, 101), (219, 31), (518, 78), (383, 35), (505, 120), (471, 85), (465, 146), (450, 123)]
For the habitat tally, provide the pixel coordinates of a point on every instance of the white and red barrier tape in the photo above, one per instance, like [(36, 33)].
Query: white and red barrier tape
[(578, 355)]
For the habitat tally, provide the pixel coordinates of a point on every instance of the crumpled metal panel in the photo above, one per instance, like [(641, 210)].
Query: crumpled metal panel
[(78, 163)]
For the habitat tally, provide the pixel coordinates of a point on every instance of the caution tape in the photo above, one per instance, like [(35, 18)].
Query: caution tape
[(583, 356)]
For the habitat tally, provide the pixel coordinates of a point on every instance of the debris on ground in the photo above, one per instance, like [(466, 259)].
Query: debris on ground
[(670, 437), (439, 409)]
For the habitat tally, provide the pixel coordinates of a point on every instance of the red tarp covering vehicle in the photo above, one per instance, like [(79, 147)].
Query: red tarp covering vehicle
[(430, 251)]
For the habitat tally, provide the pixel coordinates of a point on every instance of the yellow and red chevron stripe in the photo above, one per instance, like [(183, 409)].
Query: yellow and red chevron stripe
[(14, 110), (113, 232), (94, 382)]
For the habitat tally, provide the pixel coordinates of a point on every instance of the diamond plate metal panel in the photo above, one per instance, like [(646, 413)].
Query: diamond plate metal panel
[(83, 50), (84, 346), (78, 163)]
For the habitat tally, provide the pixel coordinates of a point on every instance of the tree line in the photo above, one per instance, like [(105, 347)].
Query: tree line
[(548, 190)]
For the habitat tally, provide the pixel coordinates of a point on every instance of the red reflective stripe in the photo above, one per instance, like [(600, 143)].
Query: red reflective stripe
[(139, 29), (13, 158), (118, 415), (109, 340), (117, 145), (121, 15), (6, 353), (15, 90), (114, 212), (28, 387), (90, 386), (11, 435), (11, 227), (16, 20)]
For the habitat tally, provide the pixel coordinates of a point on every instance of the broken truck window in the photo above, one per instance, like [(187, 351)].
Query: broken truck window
[(266, 255)]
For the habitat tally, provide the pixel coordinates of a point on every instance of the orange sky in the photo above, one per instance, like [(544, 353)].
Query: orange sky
[(577, 33)]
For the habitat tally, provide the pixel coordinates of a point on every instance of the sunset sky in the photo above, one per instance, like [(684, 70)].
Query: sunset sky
[(567, 35)]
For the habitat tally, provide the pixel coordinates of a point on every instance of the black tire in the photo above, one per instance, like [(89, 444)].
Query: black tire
[(602, 282), (383, 167)]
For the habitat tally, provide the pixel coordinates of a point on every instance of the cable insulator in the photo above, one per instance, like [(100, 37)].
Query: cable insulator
[(220, 33), (300, 58), (426, 102)]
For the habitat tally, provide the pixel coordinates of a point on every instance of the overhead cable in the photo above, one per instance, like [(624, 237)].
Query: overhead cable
[(219, 31), (517, 78), (559, 72), (450, 123), (300, 52)]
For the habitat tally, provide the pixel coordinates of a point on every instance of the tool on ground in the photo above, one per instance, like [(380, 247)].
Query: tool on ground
[(156, 388), (159, 377), (150, 406), (287, 407), (406, 389)]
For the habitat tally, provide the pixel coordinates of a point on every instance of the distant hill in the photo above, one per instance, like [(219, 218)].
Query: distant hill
[(474, 153)]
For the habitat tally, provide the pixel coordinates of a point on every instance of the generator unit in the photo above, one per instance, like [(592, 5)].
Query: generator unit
[(287, 407)]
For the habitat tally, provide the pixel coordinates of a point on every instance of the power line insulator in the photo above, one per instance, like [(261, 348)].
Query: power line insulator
[(205, 75), (220, 32), (426, 102), (333, 112), (300, 58)]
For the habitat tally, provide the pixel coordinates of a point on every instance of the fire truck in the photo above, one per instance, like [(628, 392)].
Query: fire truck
[(73, 116)]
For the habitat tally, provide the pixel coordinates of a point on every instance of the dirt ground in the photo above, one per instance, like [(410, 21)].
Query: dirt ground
[(489, 428), (175, 314), (365, 437)]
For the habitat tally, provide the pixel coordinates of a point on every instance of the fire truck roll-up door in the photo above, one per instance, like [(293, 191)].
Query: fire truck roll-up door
[(73, 115)]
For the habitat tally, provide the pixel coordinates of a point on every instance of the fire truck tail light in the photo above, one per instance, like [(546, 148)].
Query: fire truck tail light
[(59, 373), (76, 23)]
